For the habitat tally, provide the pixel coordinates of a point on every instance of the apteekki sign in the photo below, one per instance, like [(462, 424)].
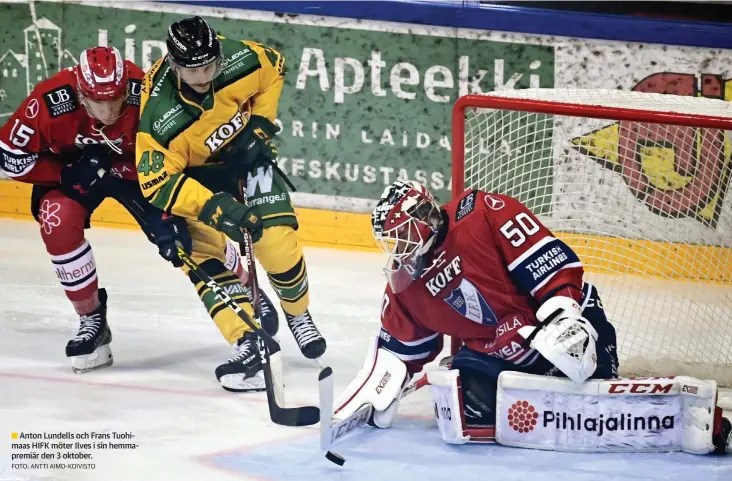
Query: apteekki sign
[(360, 107)]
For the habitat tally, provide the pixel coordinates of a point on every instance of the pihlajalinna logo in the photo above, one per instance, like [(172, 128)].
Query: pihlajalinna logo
[(522, 416)]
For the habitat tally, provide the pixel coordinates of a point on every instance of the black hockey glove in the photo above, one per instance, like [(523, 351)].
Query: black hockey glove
[(166, 231), (253, 144), (82, 177), (225, 214)]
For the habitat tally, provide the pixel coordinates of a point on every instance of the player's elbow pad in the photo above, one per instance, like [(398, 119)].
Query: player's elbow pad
[(568, 341), (380, 382)]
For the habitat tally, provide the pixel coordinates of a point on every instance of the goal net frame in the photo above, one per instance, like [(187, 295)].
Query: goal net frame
[(595, 104)]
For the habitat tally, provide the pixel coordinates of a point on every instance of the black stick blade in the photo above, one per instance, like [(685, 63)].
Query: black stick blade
[(300, 416)]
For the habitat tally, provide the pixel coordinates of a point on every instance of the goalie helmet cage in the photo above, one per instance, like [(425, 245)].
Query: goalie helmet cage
[(635, 183)]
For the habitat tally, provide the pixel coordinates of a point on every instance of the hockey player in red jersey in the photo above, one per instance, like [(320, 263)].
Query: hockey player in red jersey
[(484, 269), (73, 138)]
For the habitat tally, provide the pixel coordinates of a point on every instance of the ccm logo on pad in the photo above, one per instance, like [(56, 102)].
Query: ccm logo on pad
[(640, 388)]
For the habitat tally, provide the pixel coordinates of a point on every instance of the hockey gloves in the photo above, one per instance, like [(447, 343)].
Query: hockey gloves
[(165, 232), (225, 214), (82, 177), (253, 144)]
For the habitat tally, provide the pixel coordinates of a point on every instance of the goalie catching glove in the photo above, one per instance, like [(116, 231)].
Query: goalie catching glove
[(380, 383), (564, 338)]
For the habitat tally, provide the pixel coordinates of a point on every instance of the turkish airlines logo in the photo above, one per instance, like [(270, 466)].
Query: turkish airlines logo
[(674, 171), (31, 109)]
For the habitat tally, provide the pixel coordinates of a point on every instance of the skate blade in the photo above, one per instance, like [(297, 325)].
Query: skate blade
[(237, 383), (99, 359)]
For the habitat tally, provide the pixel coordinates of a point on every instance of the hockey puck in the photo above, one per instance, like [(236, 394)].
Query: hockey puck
[(335, 458)]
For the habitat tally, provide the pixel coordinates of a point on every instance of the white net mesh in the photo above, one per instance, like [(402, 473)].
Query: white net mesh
[(642, 204)]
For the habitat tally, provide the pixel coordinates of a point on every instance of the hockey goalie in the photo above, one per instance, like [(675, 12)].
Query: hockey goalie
[(538, 367)]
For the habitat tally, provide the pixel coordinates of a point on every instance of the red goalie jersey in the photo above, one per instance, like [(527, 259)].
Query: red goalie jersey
[(51, 126), (492, 266)]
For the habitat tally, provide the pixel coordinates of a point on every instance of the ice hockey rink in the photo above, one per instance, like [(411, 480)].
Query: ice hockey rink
[(162, 389)]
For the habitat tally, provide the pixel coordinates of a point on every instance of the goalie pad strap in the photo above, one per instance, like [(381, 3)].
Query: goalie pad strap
[(617, 415)]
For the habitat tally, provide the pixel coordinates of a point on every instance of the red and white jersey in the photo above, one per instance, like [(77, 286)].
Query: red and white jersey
[(51, 125), (492, 268)]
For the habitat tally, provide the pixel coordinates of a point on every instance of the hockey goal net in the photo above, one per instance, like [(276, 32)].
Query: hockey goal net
[(635, 183)]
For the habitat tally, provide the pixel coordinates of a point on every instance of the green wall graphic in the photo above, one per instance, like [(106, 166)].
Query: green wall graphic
[(360, 107)]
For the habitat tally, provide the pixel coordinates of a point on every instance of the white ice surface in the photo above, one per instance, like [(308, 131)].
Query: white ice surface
[(163, 391)]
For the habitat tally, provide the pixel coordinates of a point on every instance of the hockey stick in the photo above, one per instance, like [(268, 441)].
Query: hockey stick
[(247, 247), (271, 355)]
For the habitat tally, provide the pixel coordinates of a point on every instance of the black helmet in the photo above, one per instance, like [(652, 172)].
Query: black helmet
[(193, 43)]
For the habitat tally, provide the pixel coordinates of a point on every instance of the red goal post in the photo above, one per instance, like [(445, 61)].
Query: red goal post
[(635, 183)]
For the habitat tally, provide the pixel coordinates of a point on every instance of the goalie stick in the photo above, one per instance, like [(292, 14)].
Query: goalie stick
[(271, 357)]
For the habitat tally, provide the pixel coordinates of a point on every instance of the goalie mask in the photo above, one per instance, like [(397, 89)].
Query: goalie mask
[(404, 225)]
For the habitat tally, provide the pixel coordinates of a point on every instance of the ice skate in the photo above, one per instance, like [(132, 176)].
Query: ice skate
[(243, 372), (89, 349), (308, 338)]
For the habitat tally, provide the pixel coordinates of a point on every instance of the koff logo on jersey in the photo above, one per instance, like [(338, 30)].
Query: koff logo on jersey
[(80, 141), (226, 131), (444, 276)]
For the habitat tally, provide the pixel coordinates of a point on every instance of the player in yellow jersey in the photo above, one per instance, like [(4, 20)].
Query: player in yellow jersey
[(208, 111)]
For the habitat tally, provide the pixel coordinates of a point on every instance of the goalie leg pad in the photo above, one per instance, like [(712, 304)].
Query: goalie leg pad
[(449, 405), (380, 382), (617, 415)]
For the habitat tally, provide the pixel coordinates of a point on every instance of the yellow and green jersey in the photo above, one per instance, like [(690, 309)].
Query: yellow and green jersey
[(176, 133)]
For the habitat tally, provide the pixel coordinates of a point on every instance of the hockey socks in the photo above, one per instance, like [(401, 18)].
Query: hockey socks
[(230, 325)]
